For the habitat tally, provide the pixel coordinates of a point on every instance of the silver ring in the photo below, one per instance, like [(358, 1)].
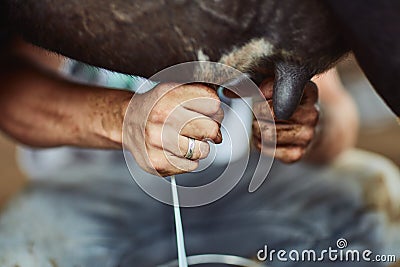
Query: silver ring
[(190, 151)]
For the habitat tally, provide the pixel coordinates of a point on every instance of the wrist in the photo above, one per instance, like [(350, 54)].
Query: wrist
[(112, 118), (102, 125)]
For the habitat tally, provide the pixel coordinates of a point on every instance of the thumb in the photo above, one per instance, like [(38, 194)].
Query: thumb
[(266, 87)]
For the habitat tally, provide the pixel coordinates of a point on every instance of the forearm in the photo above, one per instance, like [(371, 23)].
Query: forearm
[(40, 108), (338, 126)]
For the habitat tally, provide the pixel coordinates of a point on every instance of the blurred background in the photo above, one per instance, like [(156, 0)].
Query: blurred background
[(379, 132)]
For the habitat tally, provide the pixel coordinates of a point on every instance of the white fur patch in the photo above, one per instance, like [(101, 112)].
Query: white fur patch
[(201, 56), (245, 59), (249, 55)]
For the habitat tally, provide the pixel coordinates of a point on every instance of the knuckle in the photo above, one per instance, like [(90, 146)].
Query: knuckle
[(257, 144), (152, 137), (256, 125), (208, 91), (147, 134), (295, 155), (193, 165), (157, 114), (152, 141), (215, 106), (213, 131), (159, 164), (314, 114), (308, 133), (289, 155), (256, 129), (267, 130), (204, 150), (212, 95), (312, 87), (261, 109)]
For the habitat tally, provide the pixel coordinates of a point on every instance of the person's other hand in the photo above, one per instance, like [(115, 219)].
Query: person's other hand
[(158, 125), (293, 136)]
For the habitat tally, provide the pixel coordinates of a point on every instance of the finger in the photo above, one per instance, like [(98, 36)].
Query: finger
[(229, 93), (293, 135), (197, 97), (200, 98), (289, 154), (166, 164), (310, 95), (219, 116), (200, 151), (186, 91), (265, 132), (201, 90), (263, 110), (286, 134), (266, 87), (195, 125), (306, 115), (286, 154), (202, 128), (168, 139), (181, 165)]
